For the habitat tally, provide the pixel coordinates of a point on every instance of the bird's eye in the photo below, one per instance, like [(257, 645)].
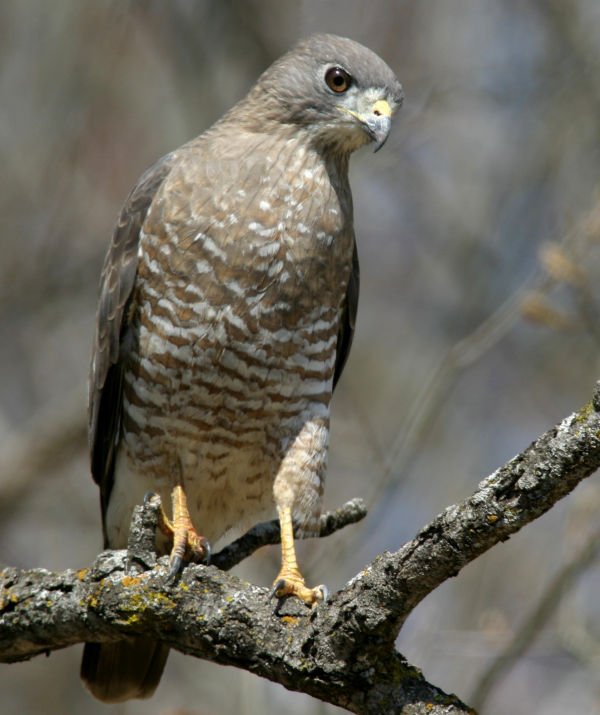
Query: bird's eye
[(338, 79)]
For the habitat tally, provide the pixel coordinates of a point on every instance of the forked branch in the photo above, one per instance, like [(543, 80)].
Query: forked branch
[(341, 652)]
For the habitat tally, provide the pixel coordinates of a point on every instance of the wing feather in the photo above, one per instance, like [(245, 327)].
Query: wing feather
[(348, 320), (116, 291)]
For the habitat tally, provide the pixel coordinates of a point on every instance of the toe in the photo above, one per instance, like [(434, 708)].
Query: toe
[(292, 587), (198, 549)]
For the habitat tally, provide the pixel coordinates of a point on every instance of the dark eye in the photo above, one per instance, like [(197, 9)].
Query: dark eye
[(338, 79)]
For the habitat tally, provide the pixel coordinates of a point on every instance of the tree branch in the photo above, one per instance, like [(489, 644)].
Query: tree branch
[(341, 652), (268, 533)]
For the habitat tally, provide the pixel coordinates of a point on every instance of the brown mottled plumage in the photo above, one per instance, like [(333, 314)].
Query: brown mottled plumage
[(227, 309)]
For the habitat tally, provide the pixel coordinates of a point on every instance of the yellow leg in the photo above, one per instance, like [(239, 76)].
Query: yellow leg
[(187, 544), (290, 582)]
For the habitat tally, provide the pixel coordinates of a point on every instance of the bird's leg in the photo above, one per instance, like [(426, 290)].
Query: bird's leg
[(187, 543), (290, 582)]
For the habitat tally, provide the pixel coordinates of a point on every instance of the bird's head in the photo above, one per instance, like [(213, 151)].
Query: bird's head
[(339, 94)]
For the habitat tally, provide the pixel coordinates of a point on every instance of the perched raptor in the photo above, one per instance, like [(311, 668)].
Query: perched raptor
[(227, 309)]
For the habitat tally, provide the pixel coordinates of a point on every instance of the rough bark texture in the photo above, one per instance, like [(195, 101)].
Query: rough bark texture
[(341, 652)]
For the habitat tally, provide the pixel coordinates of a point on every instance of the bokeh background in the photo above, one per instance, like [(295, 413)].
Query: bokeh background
[(478, 228)]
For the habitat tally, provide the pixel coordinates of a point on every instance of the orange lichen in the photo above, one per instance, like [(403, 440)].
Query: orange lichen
[(131, 581)]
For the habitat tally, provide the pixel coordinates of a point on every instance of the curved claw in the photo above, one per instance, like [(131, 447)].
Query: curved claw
[(325, 591), (148, 496), (207, 550), (173, 570), (198, 550), (278, 585)]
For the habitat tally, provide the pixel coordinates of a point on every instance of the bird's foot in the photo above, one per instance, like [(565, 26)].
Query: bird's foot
[(291, 583), (188, 545)]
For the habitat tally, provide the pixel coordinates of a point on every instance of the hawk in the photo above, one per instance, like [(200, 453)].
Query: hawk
[(227, 308)]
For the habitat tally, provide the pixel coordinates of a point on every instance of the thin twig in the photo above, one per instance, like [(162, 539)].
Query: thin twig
[(268, 533)]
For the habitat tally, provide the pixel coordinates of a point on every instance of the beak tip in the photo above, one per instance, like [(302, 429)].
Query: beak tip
[(378, 128)]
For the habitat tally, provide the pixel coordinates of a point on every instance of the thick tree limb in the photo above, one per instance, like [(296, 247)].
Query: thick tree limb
[(341, 652)]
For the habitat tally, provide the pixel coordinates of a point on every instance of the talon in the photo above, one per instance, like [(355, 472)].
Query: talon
[(198, 549), (276, 587), (207, 551), (325, 592), (173, 569), (148, 496)]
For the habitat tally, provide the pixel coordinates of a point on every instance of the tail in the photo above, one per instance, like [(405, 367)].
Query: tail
[(123, 670)]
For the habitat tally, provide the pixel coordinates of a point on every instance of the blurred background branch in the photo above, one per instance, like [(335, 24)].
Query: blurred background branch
[(582, 643)]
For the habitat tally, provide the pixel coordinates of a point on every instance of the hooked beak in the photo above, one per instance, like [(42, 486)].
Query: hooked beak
[(378, 123)]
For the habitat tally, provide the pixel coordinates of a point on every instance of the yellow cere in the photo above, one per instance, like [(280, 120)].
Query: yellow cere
[(382, 107)]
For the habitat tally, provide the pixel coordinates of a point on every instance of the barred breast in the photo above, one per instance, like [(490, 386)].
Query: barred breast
[(231, 346)]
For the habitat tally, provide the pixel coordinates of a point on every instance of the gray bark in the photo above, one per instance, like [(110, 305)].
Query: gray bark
[(341, 652)]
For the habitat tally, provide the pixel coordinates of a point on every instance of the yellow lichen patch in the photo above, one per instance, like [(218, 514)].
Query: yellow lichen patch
[(160, 599), (429, 706), (493, 518), (131, 620), (290, 620), (582, 414), (131, 581), (139, 603), (81, 574)]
